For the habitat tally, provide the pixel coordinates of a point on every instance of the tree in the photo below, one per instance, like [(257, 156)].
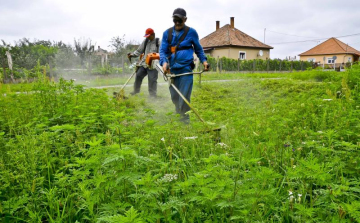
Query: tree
[(3, 49), (118, 45), (65, 56), (121, 47), (84, 49), (26, 54)]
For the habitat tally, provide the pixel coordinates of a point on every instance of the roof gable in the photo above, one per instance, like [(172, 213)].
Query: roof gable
[(227, 36), (331, 46)]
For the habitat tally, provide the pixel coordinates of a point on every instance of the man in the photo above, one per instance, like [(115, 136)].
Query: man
[(149, 45), (176, 56)]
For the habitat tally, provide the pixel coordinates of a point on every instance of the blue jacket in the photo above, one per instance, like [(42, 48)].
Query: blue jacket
[(184, 57)]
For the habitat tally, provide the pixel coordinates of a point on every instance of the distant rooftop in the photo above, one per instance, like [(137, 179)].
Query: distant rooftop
[(228, 35), (331, 46)]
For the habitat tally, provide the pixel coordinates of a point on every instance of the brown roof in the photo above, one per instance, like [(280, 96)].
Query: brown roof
[(227, 36), (331, 46)]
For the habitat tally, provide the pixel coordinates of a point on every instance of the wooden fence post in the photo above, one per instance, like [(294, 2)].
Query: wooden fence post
[(4, 69), (50, 73), (267, 66), (89, 64), (239, 64), (123, 64), (220, 65), (254, 65), (200, 80), (291, 66), (280, 64)]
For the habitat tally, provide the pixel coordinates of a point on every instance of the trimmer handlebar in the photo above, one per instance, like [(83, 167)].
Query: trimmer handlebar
[(184, 74), (177, 75), (170, 76)]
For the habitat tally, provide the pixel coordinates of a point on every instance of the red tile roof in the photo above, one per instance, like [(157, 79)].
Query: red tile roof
[(227, 36), (331, 46)]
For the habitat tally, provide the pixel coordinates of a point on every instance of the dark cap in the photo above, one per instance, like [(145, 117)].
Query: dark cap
[(179, 12)]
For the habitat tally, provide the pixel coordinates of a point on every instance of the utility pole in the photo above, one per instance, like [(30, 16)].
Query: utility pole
[(264, 34)]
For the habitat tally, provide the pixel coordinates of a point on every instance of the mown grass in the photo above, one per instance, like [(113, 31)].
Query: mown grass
[(104, 81), (288, 153), (317, 75), (114, 80)]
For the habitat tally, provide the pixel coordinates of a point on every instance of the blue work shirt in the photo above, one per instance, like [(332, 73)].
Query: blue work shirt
[(186, 56)]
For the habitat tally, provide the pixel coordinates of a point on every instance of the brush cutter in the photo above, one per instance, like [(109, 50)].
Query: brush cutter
[(169, 78), (121, 94)]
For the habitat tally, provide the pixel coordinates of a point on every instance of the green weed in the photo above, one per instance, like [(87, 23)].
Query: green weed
[(288, 153)]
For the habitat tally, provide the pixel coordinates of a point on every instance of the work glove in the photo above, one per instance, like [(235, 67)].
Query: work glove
[(129, 55)]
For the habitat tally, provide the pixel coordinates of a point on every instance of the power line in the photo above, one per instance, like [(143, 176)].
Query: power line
[(354, 43), (315, 39), (290, 34)]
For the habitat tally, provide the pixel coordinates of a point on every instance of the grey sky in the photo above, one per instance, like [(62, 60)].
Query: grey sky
[(101, 20)]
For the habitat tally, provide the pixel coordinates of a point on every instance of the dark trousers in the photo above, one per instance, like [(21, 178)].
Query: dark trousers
[(152, 79), (184, 84)]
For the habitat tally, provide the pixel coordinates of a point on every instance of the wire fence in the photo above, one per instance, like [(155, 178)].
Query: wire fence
[(335, 66)]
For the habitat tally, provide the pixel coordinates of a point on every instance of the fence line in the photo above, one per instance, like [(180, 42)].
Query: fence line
[(226, 64), (258, 65)]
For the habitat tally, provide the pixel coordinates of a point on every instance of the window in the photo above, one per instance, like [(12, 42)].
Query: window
[(242, 55), (311, 59), (349, 59), (330, 60)]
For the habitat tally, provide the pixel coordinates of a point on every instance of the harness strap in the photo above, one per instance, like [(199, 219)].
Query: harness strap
[(146, 42), (157, 44), (173, 50), (170, 32)]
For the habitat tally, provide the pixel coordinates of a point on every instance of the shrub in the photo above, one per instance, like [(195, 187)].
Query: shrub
[(228, 64)]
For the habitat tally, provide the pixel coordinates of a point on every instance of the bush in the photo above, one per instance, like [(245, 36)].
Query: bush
[(23, 73), (107, 70), (354, 76), (228, 64)]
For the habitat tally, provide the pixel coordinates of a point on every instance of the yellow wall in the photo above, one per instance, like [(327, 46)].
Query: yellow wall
[(341, 58), (222, 52), (233, 52)]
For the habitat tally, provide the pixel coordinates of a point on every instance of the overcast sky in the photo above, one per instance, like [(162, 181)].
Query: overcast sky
[(101, 20)]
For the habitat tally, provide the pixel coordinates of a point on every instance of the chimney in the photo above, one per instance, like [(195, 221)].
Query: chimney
[(217, 25), (232, 22)]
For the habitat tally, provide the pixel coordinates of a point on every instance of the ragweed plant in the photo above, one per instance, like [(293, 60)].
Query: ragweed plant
[(287, 153)]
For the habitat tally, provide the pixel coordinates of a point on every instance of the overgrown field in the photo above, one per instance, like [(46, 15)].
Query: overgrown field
[(289, 152)]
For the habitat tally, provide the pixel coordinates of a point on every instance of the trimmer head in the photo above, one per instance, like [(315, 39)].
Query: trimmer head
[(215, 134), (120, 95)]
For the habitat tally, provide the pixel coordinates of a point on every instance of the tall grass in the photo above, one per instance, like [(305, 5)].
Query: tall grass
[(288, 153)]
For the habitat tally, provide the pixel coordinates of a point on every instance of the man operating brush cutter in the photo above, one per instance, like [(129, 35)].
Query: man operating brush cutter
[(149, 45), (176, 57), (152, 61)]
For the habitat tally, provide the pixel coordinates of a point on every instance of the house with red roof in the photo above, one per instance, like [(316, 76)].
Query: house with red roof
[(324, 53), (230, 42)]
